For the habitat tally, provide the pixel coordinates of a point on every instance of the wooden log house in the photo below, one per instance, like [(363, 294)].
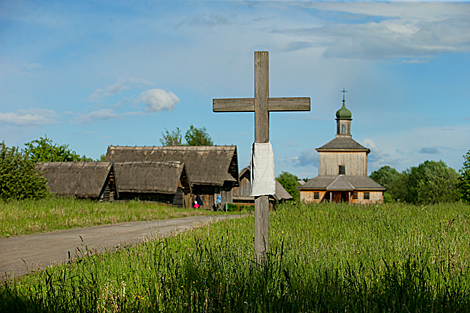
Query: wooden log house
[(342, 170), (241, 194), (210, 169), (164, 182), (85, 180)]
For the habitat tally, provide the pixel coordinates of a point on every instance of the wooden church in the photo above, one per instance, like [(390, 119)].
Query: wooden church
[(342, 169)]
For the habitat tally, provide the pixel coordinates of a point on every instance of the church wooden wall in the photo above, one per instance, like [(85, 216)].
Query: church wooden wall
[(307, 196), (355, 163)]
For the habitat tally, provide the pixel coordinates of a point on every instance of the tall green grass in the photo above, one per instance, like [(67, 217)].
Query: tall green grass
[(33, 216), (323, 258)]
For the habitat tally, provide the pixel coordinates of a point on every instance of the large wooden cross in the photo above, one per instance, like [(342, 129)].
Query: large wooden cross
[(261, 104)]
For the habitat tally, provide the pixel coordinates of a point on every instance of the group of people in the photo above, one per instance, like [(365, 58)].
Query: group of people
[(198, 203)]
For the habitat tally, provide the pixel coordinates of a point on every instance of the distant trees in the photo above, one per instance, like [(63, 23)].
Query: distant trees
[(194, 137), (19, 178), (44, 150), (429, 182), (290, 182), (463, 184)]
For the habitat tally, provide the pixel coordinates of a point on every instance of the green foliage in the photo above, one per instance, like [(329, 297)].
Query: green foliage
[(429, 182), (44, 150), (323, 258), (194, 137), (290, 182), (24, 217), (171, 139), (235, 207), (385, 176), (198, 137), (19, 178), (463, 184)]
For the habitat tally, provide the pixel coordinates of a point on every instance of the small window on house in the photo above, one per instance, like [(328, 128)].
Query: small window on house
[(343, 129), (342, 170), (355, 195), (366, 196), (316, 195)]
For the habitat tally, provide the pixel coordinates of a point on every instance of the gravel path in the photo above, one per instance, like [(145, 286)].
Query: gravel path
[(20, 255)]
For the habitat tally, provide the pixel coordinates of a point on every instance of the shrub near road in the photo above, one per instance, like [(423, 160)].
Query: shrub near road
[(324, 258)]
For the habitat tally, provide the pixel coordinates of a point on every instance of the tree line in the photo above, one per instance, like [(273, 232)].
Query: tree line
[(428, 183), (19, 178)]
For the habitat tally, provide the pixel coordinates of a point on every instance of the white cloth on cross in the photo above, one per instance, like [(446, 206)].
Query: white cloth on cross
[(263, 181)]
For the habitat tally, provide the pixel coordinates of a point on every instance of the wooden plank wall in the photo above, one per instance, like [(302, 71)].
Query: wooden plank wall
[(355, 162)]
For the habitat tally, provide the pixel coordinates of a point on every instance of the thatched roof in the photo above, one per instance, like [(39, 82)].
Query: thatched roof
[(205, 165), (281, 192), (342, 183), (150, 177), (77, 179)]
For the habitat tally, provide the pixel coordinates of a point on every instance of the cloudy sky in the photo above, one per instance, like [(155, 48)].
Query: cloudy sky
[(95, 73)]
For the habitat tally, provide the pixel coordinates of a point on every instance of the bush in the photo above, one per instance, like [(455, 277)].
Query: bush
[(19, 178)]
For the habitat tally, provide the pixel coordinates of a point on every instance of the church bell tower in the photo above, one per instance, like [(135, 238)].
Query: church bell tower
[(343, 120)]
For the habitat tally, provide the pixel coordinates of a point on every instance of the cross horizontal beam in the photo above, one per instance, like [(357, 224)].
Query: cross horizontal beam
[(274, 104)]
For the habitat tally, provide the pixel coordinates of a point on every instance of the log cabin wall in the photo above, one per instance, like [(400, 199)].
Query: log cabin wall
[(308, 196), (355, 163)]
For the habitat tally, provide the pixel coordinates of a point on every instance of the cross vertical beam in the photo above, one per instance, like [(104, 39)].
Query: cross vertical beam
[(261, 104), (261, 136)]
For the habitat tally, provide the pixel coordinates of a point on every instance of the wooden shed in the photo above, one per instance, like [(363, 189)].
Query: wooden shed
[(342, 169), (88, 180), (241, 194), (164, 182), (210, 169)]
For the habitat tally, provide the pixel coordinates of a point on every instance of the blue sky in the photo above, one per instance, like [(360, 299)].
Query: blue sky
[(95, 73)]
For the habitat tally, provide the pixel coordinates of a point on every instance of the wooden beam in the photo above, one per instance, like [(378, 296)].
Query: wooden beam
[(233, 105), (248, 104), (289, 104)]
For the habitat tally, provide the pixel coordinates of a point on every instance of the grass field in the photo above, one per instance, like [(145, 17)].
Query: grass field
[(323, 258), (34, 216)]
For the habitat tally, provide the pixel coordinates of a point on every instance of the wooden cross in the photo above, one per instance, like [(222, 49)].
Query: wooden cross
[(261, 104)]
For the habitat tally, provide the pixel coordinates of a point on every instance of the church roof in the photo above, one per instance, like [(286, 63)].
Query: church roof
[(342, 183), (343, 143), (343, 113)]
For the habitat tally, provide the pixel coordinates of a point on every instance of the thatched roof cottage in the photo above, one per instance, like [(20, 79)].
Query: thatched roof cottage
[(241, 194), (209, 169), (89, 180), (165, 182)]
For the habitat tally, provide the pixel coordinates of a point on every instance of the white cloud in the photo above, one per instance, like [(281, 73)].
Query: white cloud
[(104, 114), (157, 100), (307, 157), (31, 117)]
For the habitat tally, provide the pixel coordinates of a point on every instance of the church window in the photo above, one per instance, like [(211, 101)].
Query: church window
[(316, 195), (343, 129), (355, 195), (342, 170), (366, 196)]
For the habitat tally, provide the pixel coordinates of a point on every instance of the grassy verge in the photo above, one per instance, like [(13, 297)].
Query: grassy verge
[(35, 216), (323, 258)]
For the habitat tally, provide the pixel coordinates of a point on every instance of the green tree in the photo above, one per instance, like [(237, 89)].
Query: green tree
[(429, 182), (385, 176), (290, 182), (171, 139), (44, 150), (19, 178), (463, 184), (198, 137)]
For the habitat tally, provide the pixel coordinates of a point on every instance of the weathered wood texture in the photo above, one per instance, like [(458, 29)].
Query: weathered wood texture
[(274, 104), (261, 105), (307, 196), (355, 163)]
